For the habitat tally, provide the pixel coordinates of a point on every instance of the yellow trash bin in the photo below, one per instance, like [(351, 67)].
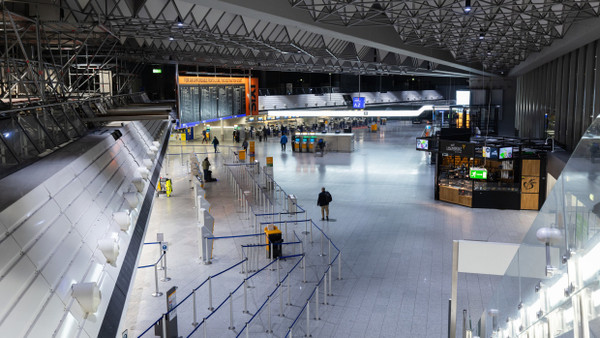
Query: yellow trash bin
[(273, 236)]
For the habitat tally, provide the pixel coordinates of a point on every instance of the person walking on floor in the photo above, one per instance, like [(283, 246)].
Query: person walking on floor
[(323, 201), (283, 141), (215, 143), (204, 139), (245, 145)]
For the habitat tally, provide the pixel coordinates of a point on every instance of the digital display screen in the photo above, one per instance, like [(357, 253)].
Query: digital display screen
[(297, 140), (423, 144), (506, 153), (490, 152)]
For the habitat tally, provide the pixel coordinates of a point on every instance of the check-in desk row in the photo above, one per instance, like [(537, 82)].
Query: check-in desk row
[(308, 142)]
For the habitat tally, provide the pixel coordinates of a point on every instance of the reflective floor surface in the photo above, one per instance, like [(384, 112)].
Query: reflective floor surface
[(396, 240)]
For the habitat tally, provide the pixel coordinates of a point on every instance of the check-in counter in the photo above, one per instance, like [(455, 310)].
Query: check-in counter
[(333, 142)]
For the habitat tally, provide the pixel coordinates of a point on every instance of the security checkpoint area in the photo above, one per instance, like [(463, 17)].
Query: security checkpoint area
[(234, 257)]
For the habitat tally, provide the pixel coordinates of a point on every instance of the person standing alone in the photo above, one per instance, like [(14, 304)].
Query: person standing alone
[(283, 141), (215, 143), (323, 201)]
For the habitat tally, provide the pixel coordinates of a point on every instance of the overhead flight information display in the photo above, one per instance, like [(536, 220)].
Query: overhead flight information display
[(203, 99)]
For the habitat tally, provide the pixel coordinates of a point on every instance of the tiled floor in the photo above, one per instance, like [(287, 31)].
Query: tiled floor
[(395, 239)]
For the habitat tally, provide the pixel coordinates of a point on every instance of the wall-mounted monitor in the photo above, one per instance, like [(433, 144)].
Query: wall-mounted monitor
[(490, 152), (506, 152), (422, 144)]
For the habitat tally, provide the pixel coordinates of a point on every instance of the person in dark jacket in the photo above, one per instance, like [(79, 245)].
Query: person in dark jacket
[(323, 201), (215, 143)]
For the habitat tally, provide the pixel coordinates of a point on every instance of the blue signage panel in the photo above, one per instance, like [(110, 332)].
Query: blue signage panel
[(358, 102)]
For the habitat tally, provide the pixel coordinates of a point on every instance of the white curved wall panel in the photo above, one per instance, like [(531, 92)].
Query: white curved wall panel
[(49, 239)]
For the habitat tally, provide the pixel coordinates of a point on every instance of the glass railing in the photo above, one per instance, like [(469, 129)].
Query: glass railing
[(552, 286)]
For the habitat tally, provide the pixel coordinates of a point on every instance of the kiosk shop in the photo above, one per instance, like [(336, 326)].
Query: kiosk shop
[(502, 175)]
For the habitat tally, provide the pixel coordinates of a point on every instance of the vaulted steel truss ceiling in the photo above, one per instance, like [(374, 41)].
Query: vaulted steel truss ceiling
[(493, 37)]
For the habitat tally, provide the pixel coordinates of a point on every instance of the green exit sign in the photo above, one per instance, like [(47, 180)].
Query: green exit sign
[(478, 173), (156, 70)]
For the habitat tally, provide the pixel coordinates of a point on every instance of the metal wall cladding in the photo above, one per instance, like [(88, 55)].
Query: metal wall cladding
[(562, 96), (50, 238)]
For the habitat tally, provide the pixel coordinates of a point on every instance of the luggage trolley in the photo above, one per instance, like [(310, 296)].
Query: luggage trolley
[(164, 186)]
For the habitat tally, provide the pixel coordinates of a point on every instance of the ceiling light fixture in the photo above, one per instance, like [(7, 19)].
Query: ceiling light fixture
[(467, 8)]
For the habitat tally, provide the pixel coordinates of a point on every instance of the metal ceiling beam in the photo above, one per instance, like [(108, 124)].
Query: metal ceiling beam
[(580, 34), (381, 37)]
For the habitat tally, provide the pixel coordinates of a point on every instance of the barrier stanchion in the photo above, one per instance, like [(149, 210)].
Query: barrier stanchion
[(325, 289), (278, 272), (330, 277), (210, 307), (286, 229), (280, 302), (329, 248), (156, 292), (289, 290), (322, 254), (305, 227), (164, 325), (195, 322), (231, 327), (308, 319), (165, 278), (247, 329), (245, 296), (339, 266), (317, 302), (304, 268), (269, 330), (203, 327)]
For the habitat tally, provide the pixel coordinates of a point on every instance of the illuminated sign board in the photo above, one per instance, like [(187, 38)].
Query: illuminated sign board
[(358, 102), (156, 70), (478, 173)]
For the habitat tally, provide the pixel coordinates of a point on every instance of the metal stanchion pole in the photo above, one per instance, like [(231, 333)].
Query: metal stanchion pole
[(325, 289), (210, 307), (289, 300), (307, 319), (304, 268), (160, 253), (340, 266), (278, 272), (165, 278), (156, 292), (306, 228), (286, 229), (322, 253), (164, 324), (247, 329), (269, 330), (231, 327), (203, 327), (329, 248), (280, 301), (245, 296), (317, 303), (195, 323), (330, 277)]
